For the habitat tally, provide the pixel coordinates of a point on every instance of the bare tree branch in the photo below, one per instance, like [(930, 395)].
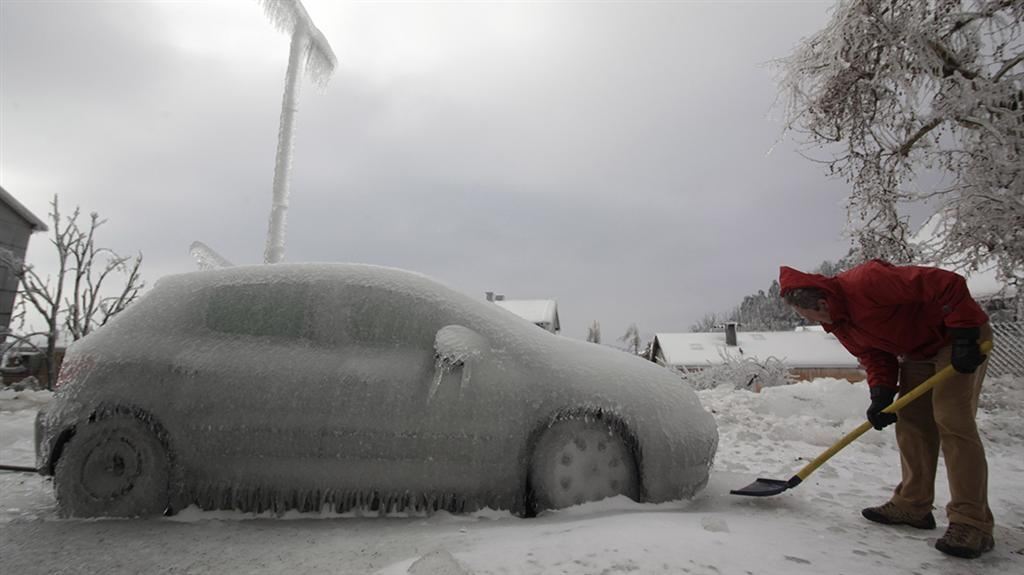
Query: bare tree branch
[(76, 301)]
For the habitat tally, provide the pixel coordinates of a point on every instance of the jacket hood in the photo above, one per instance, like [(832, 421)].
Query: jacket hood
[(790, 279)]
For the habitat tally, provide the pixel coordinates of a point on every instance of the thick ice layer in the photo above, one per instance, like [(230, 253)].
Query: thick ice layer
[(303, 385)]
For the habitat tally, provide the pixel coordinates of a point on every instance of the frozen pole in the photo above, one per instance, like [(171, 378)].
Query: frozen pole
[(308, 48), (283, 162)]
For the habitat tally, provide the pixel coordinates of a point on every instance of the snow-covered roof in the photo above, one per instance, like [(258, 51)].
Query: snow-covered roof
[(533, 310), (982, 283), (36, 224), (805, 348)]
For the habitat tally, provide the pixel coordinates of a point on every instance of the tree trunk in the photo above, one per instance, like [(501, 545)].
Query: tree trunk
[(51, 358)]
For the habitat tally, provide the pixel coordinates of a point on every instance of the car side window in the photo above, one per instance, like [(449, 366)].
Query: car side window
[(274, 309), (369, 315)]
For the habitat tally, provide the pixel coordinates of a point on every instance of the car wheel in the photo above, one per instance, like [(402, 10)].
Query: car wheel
[(578, 461), (114, 467)]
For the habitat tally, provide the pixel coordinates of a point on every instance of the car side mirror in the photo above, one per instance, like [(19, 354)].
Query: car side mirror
[(455, 347)]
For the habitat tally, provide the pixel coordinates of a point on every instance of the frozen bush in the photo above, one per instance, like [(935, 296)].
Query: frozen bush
[(741, 373)]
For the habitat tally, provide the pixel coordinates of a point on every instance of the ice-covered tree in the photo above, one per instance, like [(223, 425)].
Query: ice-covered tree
[(632, 339), (709, 322), (742, 373), (766, 311), (91, 286), (311, 52), (830, 269), (894, 90), (594, 332)]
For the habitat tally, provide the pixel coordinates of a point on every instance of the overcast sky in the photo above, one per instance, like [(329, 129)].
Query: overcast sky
[(623, 158)]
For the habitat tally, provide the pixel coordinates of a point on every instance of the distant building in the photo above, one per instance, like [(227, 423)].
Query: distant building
[(540, 312), (810, 353), (16, 225), (23, 362)]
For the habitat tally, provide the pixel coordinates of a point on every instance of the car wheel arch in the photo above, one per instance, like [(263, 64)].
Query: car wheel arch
[(104, 411), (607, 416)]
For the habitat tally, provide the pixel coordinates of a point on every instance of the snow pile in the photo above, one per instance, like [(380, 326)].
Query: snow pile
[(12, 400), (17, 416), (769, 434)]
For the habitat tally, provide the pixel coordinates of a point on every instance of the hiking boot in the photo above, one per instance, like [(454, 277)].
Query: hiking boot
[(892, 515), (962, 540)]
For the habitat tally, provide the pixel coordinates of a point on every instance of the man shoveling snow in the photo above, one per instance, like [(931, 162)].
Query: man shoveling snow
[(904, 324)]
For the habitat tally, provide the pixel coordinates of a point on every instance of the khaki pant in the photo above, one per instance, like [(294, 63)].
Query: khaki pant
[(943, 418)]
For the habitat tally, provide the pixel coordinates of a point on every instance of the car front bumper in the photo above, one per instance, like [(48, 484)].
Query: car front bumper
[(44, 442)]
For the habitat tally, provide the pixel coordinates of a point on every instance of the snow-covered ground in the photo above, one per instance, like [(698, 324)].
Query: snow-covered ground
[(814, 528)]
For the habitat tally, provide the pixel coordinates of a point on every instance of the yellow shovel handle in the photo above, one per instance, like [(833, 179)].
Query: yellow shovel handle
[(897, 405)]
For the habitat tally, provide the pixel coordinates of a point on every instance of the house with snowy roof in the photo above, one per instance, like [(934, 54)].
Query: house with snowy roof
[(540, 312), (17, 223), (809, 352)]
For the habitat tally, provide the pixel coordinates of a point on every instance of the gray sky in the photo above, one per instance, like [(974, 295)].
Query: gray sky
[(614, 156)]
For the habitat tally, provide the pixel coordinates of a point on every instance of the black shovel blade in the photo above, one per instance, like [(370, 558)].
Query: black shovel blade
[(763, 488), (18, 468)]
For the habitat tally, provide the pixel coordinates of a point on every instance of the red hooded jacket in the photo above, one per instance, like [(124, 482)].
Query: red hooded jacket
[(881, 312)]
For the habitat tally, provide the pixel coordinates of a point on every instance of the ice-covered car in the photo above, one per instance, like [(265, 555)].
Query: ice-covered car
[(334, 386)]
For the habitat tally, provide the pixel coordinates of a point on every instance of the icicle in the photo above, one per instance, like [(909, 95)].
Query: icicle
[(206, 257), (318, 57), (435, 384)]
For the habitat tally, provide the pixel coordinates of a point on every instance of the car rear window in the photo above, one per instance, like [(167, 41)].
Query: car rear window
[(274, 309)]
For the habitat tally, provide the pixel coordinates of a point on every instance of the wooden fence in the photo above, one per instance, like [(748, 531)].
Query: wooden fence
[(1008, 354)]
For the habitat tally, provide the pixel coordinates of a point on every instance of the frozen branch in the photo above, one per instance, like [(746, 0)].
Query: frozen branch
[(1007, 67), (76, 299), (920, 133)]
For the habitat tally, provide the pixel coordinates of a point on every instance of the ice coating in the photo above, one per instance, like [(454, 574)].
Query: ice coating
[(455, 347), (344, 385)]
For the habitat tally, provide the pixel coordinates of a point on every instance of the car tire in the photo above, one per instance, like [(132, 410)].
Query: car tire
[(581, 460), (113, 467)]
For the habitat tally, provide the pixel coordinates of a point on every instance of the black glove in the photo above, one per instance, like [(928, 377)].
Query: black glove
[(966, 354), (881, 397)]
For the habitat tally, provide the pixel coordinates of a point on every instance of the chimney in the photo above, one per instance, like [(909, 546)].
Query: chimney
[(490, 295), (730, 333)]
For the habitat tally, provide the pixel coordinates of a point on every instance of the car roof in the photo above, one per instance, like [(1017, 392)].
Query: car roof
[(363, 274)]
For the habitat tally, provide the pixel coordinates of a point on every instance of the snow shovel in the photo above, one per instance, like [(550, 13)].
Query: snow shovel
[(18, 468), (765, 487)]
